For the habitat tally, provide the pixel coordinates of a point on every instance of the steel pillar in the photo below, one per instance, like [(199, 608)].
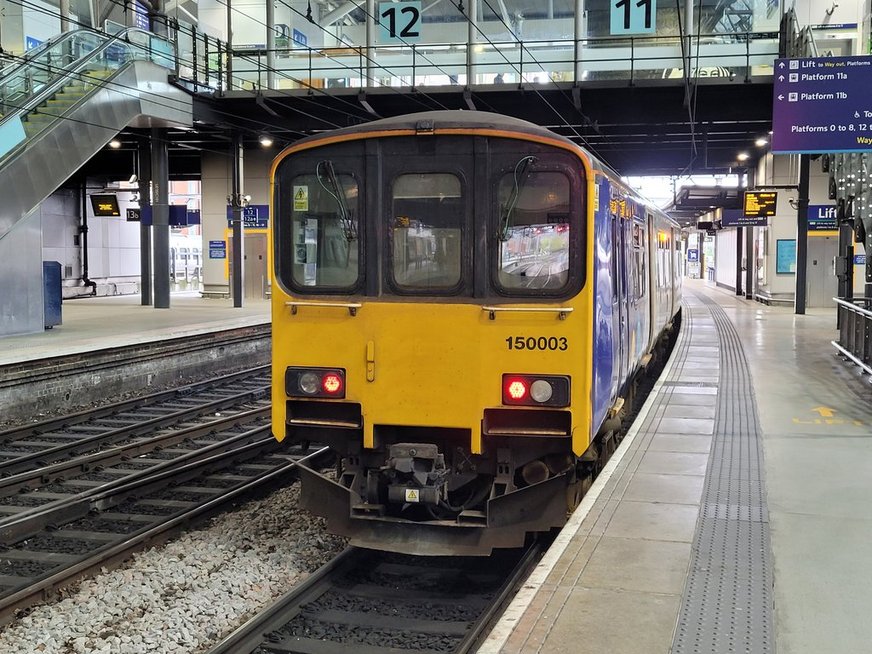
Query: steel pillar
[(160, 213), (802, 235), (237, 203), (143, 171)]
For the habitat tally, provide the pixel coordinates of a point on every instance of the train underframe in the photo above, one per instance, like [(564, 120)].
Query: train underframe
[(422, 491)]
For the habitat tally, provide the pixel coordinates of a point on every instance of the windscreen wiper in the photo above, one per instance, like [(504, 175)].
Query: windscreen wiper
[(332, 187), (522, 171)]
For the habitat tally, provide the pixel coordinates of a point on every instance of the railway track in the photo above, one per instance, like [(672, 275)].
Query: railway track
[(102, 527), (82, 492), (34, 446), (369, 602)]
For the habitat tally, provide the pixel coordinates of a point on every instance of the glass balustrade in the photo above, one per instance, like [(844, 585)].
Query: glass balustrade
[(734, 56), (50, 84)]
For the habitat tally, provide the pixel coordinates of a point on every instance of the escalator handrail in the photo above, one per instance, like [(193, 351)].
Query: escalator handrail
[(53, 87), (31, 56)]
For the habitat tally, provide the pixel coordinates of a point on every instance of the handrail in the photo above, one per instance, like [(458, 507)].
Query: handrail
[(51, 88), (597, 53), (351, 306), (560, 311), (31, 55), (853, 307)]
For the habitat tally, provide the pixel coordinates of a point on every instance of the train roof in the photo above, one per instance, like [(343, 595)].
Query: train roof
[(462, 119), (447, 119)]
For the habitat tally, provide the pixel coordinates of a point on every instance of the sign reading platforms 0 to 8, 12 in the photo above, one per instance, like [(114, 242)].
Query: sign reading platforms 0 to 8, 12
[(822, 104)]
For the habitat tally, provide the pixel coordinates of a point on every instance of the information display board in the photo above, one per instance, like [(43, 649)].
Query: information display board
[(105, 204), (759, 204)]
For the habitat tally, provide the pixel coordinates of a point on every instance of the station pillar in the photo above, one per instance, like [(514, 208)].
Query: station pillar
[(802, 234), (739, 231), (143, 173), (160, 213), (237, 202)]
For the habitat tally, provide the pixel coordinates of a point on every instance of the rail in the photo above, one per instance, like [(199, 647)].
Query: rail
[(631, 59), (855, 331)]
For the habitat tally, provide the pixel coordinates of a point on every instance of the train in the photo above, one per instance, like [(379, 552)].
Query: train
[(463, 304)]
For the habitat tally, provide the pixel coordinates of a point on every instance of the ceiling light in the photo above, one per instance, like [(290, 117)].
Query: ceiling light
[(742, 156), (761, 142), (266, 140), (115, 143)]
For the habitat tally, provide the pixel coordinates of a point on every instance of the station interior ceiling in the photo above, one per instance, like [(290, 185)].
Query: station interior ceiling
[(654, 127)]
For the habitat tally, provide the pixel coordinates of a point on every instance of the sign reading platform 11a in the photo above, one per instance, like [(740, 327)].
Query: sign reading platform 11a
[(633, 17)]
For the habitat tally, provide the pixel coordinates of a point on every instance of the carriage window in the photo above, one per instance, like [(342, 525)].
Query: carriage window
[(426, 219), (325, 214), (534, 231)]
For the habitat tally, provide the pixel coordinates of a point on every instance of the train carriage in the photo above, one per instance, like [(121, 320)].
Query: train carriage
[(461, 303)]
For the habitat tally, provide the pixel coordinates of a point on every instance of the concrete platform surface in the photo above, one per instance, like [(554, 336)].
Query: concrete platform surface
[(105, 322), (671, 552)]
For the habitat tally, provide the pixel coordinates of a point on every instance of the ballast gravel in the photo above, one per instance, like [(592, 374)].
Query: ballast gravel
[(183, 597)]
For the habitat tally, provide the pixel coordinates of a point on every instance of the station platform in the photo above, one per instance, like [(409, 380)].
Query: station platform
[(117, 321), (735, 515), (111, 346)]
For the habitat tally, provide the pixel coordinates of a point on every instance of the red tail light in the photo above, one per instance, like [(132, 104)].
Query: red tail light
[(536, 390), (516, 389), (332, 383)]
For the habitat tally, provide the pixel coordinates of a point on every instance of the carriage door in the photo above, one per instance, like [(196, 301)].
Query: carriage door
[(619, 298)]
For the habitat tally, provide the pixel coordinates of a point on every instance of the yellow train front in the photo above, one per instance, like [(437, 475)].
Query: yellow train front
[(433, 324)]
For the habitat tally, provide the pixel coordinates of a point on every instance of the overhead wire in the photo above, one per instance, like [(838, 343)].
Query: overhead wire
[(358, 116), (459, 7), (343, 65), (362, 7)]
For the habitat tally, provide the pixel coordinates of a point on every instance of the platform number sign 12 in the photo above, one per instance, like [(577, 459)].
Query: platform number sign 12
[(633, 17), (399, 22)]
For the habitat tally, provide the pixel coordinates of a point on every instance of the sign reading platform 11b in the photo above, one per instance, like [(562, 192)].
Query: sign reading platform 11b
[(633, 17)]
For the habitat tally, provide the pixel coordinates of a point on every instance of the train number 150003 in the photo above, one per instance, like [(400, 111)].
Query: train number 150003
[(537, 343)]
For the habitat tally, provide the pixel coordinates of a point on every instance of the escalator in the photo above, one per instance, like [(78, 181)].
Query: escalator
[(67, 100)]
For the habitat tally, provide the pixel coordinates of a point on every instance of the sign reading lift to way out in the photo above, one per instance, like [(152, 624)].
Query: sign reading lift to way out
[(822, 104)]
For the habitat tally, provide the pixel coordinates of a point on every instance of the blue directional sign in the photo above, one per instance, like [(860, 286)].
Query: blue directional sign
[(822, 218), (633, 17), (859, 259), (693, 254), (822, 104), (737, 218), (254, 216)]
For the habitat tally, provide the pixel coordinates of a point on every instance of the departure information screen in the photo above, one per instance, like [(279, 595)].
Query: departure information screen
[(105, 205), (760, 204)]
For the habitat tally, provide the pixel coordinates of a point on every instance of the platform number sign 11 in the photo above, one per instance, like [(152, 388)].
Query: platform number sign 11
[(399, 22), (633, 17)]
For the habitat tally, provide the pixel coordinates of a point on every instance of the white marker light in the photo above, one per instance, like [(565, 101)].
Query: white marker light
[(541, 390), (310, 383)]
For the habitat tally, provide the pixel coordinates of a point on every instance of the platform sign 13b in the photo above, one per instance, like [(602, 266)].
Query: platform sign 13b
[(633, 17), (399, 22)]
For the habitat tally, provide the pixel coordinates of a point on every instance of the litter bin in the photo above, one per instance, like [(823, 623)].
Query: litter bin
[(51, 283)]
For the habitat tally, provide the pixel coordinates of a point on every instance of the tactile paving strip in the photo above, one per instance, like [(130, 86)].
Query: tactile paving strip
[(727, 604)]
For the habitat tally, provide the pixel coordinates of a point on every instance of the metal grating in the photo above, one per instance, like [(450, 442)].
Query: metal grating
[(727, 604)]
